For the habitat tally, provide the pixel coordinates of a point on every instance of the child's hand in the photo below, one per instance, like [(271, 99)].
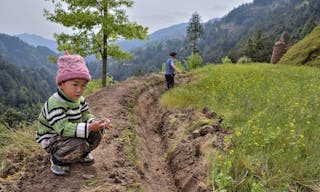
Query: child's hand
[(99, 124), (107, 123)]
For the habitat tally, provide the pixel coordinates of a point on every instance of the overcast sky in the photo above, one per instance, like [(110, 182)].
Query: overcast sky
[(26, 16)]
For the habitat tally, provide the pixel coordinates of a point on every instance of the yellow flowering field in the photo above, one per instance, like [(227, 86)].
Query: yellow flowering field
[(274, 113)]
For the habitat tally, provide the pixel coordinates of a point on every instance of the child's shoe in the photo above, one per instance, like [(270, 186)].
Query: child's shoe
[(59, 169), (88, 160)]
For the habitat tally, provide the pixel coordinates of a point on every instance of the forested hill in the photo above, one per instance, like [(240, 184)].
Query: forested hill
[(248, 30), (22, 90), (31, 61), (21, 54), (26, 80)]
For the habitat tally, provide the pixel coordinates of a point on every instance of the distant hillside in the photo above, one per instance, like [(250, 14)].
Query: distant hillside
[(305, 52), (31, 62), (173, 32), (23, 89), (21, 54), (36, 40), (26, 77)]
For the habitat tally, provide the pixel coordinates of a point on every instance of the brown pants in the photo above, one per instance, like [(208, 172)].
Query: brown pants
[(68, 150)]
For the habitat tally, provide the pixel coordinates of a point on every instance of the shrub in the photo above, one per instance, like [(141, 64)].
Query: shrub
[(193, 61), (226, 60)]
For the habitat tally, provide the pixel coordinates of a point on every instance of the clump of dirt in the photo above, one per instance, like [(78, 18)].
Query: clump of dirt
[(150, 148)]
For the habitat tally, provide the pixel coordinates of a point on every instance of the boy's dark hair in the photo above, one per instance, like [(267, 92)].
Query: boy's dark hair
[(173, 54)]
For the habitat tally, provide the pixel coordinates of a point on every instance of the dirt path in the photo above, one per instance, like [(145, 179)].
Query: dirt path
[(133, 155)]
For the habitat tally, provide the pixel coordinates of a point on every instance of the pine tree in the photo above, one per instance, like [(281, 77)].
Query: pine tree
[(256, 47), (194, 31), (96, 25)]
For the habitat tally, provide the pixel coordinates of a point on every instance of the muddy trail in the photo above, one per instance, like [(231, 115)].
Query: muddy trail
[(150, 148)]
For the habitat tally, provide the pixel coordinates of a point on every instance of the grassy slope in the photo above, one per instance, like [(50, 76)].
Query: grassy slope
[(274, 112), (273, 109), (305, 52)]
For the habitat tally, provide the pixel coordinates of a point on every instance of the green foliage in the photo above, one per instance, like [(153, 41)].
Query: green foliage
[(89, 182), (226, 60), (179, 65), (94, 85), (96, 26), (193, 61), (13, 119), (244, 60), (257, 48), (305, 52), (273, 111), (163, 67), (4, 135), (308, 27)]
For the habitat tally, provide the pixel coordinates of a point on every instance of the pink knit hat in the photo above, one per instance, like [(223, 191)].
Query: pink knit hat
[(71, 67)]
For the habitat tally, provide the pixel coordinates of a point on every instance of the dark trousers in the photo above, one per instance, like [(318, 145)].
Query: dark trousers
[(170, 80), (70, 150)]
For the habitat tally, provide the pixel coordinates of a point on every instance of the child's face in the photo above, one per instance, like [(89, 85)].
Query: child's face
[(74, 88)]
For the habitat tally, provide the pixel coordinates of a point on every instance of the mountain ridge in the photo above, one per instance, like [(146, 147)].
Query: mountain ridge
[(164, 34), (37, 40), (171, 32), (19, 53)]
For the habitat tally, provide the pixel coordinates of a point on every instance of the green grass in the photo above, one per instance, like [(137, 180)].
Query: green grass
[(16, 149), (274, 112)]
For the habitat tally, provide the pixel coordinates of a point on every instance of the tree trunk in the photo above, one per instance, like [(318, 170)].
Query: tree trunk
[(104, 61), (105, 49), (194, 48)]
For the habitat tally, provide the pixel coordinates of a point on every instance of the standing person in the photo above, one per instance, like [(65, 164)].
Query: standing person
[(67, 130), (170, 70)]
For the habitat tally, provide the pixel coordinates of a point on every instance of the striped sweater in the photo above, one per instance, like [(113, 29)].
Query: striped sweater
[(65, 117)]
